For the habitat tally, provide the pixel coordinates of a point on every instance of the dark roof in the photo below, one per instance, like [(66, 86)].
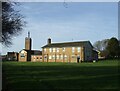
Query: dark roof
[(34, 52), (67, 44), (11, 52), (95, 51)]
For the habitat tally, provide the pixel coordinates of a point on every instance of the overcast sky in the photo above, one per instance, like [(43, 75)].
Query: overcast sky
[(65, 22)]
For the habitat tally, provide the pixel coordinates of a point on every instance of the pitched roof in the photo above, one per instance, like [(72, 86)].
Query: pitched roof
[(36, 52), (68, 44)]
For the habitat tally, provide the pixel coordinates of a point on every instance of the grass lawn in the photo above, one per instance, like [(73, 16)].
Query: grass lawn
[(36, 76)]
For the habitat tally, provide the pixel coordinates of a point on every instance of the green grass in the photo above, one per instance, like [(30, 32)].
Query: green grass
[(35, 76)]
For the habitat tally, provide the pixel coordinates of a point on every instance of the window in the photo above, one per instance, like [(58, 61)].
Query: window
[(73, 56), (53, 57), (78, 49), (53, 49), (50, 57), (73, 49), (45, 50), (65, 56), (37, 58), (50, 49), (57, 56), (22, 55), (40, 58), (57, 49), (45, 57), (61, 56), (63, 49)]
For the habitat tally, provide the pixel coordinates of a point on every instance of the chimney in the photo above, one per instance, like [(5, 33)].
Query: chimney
[(49, 41)]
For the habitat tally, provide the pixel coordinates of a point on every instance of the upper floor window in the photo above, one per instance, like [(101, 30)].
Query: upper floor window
[(45, 50), (78, 49), (53, 49), (63, 49), (73, 49), (57, 49), (50, 49)]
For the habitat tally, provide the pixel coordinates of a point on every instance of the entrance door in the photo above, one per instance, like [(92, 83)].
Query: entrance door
[(78, 59)]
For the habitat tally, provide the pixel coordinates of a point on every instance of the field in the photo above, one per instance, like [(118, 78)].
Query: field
[(35, 76)]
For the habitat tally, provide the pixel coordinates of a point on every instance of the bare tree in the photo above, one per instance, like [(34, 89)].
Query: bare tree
[(12, 22)]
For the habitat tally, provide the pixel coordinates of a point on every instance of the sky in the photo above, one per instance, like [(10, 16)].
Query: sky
[(66, 22)]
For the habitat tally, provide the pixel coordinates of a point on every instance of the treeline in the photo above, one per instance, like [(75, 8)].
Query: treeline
[(108, 48)]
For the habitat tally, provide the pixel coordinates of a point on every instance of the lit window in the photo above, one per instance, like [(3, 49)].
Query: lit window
[(63, 49), (50, 49), (50, 57), (45, 50), (53, 49), (53, 57), (57, 56), (78, 49), (73, 49), (57, 49), (65, 56)]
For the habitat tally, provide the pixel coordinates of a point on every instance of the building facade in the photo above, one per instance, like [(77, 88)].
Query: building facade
[(12, 56), (68, 52), (29, 55), (81, 51)]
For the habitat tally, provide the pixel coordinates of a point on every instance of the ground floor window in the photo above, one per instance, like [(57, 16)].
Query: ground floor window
[(73, 56), (22, 55), (65, 57), (57, 56), (61, 56), (50, 57), (53, 57), (45, 57)]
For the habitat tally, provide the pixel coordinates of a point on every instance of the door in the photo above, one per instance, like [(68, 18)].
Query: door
[(78, 59)]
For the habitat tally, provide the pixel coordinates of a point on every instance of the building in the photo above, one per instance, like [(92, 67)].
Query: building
[(81, 51), (12, 56), (28, 42), (29, 55), (95, 55), (68, 52)]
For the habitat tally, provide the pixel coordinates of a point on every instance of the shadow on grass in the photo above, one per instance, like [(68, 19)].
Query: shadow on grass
[(59, 77)]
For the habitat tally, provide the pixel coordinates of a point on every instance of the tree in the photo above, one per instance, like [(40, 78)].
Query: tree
[(113, 47), (97, 45), (119, 50), (101, 45), (12, 22)]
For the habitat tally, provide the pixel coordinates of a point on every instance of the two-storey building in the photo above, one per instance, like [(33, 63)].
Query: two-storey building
[(68, 52)]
